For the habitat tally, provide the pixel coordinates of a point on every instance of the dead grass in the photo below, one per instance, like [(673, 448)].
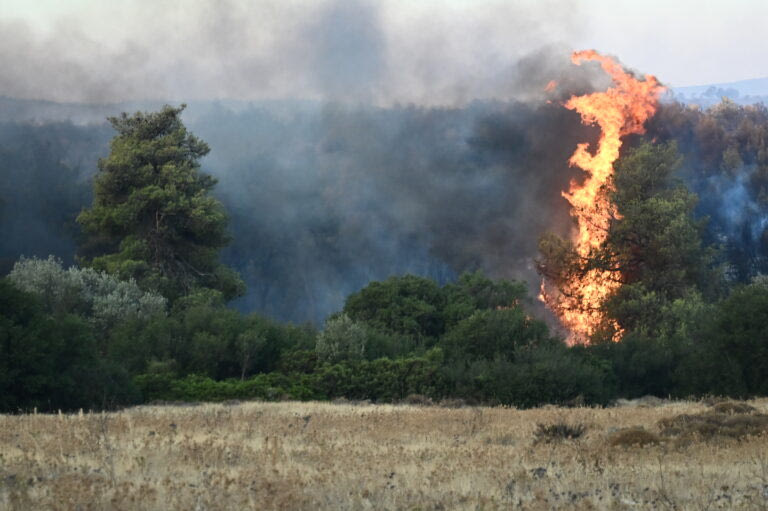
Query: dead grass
[(360, 456), (721, 420), (732, 407), (558, 431), (633, 437)]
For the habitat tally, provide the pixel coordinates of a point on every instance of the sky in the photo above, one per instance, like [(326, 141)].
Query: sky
[(388, 51)]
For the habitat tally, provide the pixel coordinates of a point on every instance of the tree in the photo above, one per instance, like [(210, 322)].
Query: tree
[(50, 362), (474, 291), (657, 247), (152, 217), (653, 247), (657, 241), (494, 333), (734, 351), (408, 305)]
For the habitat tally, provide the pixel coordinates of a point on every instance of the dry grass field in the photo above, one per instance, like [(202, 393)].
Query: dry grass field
[(289, 455)]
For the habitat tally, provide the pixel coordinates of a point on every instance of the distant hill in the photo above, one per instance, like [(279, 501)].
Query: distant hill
[(743, 92)]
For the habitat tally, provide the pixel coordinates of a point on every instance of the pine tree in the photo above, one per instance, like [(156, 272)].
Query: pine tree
[(152, 217)]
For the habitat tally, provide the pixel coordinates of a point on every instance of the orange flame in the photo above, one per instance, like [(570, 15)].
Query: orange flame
[(619, 111)]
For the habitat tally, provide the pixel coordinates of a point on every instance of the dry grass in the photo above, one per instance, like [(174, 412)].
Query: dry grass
[(345, 456), (633, 437), (558, 431), (729, 419)]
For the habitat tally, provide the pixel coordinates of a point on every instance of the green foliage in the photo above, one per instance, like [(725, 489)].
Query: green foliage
[(726, 163), (341, 339), (345, 339), (489, 334), (549, 373), (152, 217), (272, 386), (382, 380), (733, 357), (642, 365), (209, 340), (651, 314), (417, 308), (653, 247), (51, 363), (407, 305), (101, 299), (475, 291), (657, 241)]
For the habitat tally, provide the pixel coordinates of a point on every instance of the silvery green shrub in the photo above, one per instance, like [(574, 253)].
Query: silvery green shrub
[(99, 297), (341, 339)]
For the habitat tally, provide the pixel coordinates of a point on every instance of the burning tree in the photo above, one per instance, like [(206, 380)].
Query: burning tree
[(652, 250), (578, 275)]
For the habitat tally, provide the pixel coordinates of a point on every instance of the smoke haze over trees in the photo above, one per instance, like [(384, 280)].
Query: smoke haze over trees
[(323, 198), (348, 145)]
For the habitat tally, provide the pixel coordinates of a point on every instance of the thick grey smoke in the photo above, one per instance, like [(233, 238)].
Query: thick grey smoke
[(352, 139), (324, 199), (345, 50)]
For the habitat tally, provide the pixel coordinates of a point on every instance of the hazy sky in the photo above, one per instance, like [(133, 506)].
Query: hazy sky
[(383, 51)]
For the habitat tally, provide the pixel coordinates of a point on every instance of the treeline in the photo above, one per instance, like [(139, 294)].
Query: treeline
[(725, 164), (323, 199), (144, 316), (82, 339)]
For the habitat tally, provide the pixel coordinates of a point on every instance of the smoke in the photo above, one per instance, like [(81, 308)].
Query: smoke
[(737, 219), (342, 50), (43, 186), (324, 199), (352, 139), (726, 165)]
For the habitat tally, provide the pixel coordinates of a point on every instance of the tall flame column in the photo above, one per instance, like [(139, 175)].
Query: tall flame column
[(619, 111)]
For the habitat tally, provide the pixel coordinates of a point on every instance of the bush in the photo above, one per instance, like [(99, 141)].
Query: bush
[(379, 380), (271, 387), (98, 297), (407, 305), (474, 291), (209, 340), (740, 335), (341, 339), (489, 334), (382, 379), (558, 431), (51, 363), (643, 366), (713, 424), (633, 437)]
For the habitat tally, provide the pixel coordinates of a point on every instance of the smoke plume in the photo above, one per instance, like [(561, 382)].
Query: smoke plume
[(341, 50)]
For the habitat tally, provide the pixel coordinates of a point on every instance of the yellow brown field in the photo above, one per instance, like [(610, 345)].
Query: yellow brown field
[(289, 455)]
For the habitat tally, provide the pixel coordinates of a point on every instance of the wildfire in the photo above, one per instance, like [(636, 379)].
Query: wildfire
[(619, 111)]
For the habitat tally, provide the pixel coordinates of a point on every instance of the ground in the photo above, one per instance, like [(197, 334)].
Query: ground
[(314, 456)]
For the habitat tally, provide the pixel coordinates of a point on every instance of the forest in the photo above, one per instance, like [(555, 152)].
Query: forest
[(150, 279)]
